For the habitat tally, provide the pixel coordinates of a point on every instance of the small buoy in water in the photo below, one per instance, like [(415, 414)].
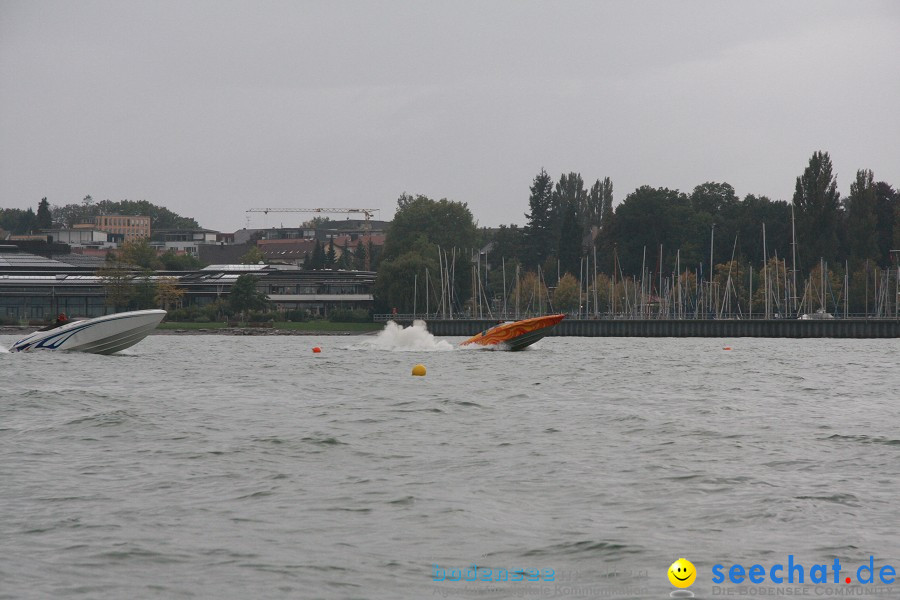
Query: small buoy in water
[(316, 350), (727, 348), (419, 370)]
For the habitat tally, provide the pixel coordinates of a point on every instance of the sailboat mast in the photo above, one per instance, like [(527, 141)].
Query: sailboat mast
[(765, 271), (794, 257), (594, 283)]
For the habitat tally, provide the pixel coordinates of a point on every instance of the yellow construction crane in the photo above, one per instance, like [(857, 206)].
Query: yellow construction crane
[(368, 212)]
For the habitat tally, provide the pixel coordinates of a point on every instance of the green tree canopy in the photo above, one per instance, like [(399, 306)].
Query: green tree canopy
[(888, 211), (245, 296), (317, 260), (529, 295), (652, 216), (140, 253), (359, 256), (445, 223), (862, 218), (253, 256), (817, 203), (713, 198), (330, 255), (160, 216), (421, 226), (606, 237), (508, 243), (172, 261), (540, 235), (117, 283), (567, 295), (17, 221), (44, 220), (397, 278)]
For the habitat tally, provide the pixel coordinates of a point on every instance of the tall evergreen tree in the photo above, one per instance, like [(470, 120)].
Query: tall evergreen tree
[(330, 255), (570, 201), (44, 220), (570, 240), (887, 208), (605, 241), (374, 258), (862, 221), (317, 262), (359, 256), (539, 235), (345, 260), (594, 207), (817, 204)]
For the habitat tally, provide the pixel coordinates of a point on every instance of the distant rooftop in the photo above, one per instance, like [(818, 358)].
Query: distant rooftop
[(24, 260), (12, 257), (246, 268)]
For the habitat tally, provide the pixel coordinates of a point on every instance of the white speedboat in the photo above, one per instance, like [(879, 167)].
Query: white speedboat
[(101, 335)]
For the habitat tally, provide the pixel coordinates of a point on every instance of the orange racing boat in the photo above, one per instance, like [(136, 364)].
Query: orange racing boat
[(516, 335)]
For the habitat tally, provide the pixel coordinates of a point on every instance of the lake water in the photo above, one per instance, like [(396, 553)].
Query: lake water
[(249, 467)]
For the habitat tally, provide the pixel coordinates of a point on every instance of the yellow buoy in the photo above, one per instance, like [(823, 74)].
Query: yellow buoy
[(419, 370)]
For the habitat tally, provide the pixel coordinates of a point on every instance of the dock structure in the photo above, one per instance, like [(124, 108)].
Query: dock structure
[(771, 328)]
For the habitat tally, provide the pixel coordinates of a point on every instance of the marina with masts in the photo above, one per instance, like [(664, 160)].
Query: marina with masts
[(682, 303)]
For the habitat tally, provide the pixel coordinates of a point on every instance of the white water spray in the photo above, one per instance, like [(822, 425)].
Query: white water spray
[(415, 337)]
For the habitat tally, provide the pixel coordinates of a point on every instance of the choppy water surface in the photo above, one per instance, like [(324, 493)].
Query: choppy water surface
[(249, 467)]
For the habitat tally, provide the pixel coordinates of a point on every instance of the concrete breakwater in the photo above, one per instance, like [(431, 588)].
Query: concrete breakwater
[(775, 328)]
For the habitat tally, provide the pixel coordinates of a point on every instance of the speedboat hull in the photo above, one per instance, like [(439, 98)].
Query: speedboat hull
[(516, 335), (101, 335)]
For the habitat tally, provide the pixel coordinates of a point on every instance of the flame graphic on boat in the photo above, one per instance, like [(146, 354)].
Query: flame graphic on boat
[(516, 335)]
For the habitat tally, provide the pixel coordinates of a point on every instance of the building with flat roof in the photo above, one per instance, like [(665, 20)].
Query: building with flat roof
[(81, 237), (36, 288), (183, 241), (132, 227)]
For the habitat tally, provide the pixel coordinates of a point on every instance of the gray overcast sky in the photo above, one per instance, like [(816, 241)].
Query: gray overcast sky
[(211, 108)]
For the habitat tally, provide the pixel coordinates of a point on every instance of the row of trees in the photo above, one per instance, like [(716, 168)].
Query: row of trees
[(160, 216), (325, 256), (20, 222), (139, 253), (428, 240), (566, 222), (654, 238)]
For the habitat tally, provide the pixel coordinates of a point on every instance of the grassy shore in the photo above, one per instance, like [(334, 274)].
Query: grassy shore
[(313, 326)]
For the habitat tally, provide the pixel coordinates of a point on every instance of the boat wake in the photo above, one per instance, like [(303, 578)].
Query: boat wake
[(413, 338)]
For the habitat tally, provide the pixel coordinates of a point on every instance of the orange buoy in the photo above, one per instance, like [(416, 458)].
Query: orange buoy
[(727, 348), (316, 350)]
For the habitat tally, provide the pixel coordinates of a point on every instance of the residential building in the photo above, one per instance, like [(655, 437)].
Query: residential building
[(286, 251), (183, 241), (132, 227), (81, 237)]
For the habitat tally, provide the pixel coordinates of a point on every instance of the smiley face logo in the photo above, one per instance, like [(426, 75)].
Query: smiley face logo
[(682, 573)]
